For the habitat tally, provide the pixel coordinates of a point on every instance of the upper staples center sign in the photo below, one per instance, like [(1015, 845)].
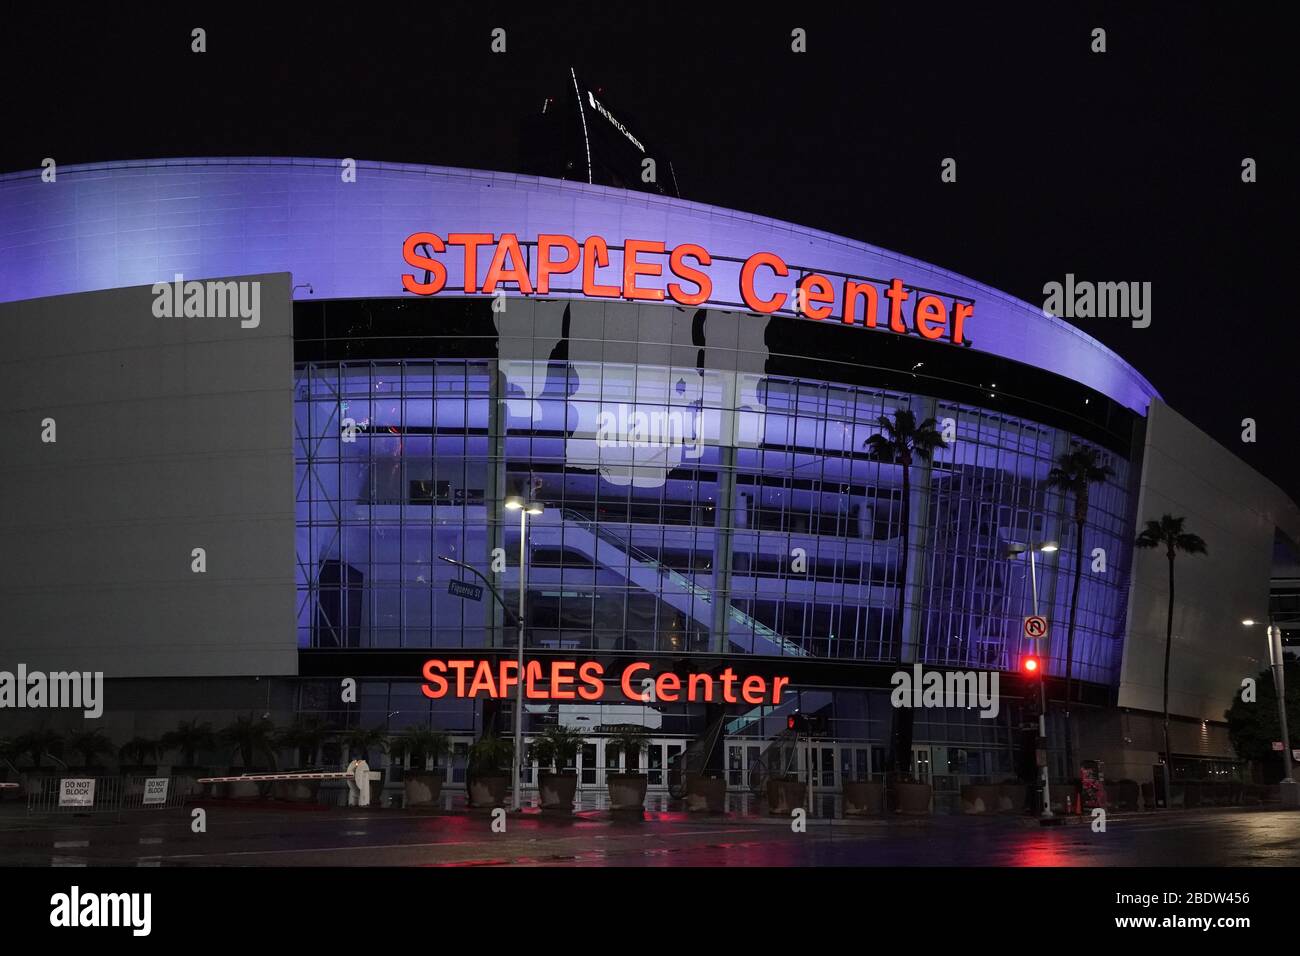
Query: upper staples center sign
[(647, 270)]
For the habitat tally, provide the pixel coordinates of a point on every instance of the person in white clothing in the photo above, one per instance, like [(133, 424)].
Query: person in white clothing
[(353, 792), (360, 782)]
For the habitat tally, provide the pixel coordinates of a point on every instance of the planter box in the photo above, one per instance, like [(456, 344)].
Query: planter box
[(627, 791), (557, 790), (913, 798), (980, 798), (864, 799), (1012, 797), (243, 790), (488, 791), (1123, 794), (705, 794), (783, 796), (422, 787), (296, 791)]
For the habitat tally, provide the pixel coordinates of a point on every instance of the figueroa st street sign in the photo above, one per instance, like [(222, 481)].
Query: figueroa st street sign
[(529, 268), (571, 680)]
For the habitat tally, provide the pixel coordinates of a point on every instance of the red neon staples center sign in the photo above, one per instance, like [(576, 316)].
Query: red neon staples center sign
[(571, 680), (570, 265)]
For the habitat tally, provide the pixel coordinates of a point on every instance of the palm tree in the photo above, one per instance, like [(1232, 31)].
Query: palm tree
[(1168, 533), (420, 743), (1075, 473), (138, 751), (305, 736), (9, 752), (902, 441), (362, 740), (39, 743), (90, 744), (252, 737), (189, 738)]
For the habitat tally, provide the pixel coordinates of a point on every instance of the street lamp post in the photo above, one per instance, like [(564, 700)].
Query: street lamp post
[(525, 508), (1288, 789), (1046, 547)]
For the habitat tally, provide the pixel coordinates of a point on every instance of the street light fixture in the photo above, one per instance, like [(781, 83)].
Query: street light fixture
[(1015, 548), (1288, 789), (525, 508)]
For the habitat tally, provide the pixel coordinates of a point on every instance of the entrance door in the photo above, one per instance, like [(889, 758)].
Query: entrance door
[(590, 775), (855, 763), (743, 763), (921, 768), (658, 758), (457, 760), (825, 766)]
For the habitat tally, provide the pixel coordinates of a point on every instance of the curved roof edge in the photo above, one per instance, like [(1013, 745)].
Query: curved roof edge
[(607, 193)]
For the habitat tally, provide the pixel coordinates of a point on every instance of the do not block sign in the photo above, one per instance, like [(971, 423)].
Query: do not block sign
[(77, 792), (1035, 626)]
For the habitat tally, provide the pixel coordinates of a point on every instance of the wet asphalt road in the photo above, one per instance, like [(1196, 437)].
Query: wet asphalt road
[(238, 836)]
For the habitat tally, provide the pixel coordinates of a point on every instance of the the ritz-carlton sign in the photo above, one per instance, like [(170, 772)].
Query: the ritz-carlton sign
[(530, 268)]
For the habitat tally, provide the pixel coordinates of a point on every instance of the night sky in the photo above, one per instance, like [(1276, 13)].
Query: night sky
[(1122, 166)]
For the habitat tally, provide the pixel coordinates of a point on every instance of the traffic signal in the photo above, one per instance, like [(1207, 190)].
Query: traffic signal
[(1031, 665), (798, 723)]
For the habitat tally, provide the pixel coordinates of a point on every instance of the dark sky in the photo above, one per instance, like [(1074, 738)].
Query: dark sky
[(1122, 166)]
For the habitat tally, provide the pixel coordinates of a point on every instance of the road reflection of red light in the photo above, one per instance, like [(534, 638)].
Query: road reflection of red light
[(668, 816), (1042, 852)]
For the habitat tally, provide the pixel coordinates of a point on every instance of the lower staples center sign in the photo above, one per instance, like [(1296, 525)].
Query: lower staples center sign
[(586, 680)]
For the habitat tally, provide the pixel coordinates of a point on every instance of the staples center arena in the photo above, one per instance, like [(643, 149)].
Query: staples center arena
[(305, 472)]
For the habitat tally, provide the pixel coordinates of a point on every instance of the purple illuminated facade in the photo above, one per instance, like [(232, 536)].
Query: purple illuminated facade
[(707, 485)]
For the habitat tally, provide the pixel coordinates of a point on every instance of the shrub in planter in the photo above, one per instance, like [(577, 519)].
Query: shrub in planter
[(487, 775), (556, 749), (138, 757), (184, 779), (863, 798), (188, 739), (627, 789), (421, 785), (89, 744), (981, 798), (911, 797), (706, 792), (305, 737)]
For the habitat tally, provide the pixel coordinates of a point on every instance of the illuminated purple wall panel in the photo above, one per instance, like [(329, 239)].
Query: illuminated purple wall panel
[(131, 223)]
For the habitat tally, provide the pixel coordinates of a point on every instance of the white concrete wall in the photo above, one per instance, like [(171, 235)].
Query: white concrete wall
[(1236, 511), (173, 433)]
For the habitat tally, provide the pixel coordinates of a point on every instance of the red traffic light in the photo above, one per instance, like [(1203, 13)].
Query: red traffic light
[(1030, 664), (789, 722)]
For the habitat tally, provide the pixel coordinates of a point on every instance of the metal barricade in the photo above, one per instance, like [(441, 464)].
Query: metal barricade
[(68, 794)]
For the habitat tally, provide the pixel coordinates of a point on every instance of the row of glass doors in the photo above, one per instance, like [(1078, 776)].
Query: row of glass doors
[(745, 762)]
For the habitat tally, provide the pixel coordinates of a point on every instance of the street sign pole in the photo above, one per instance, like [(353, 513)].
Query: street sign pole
[(1288, 789), (1042, 692)]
